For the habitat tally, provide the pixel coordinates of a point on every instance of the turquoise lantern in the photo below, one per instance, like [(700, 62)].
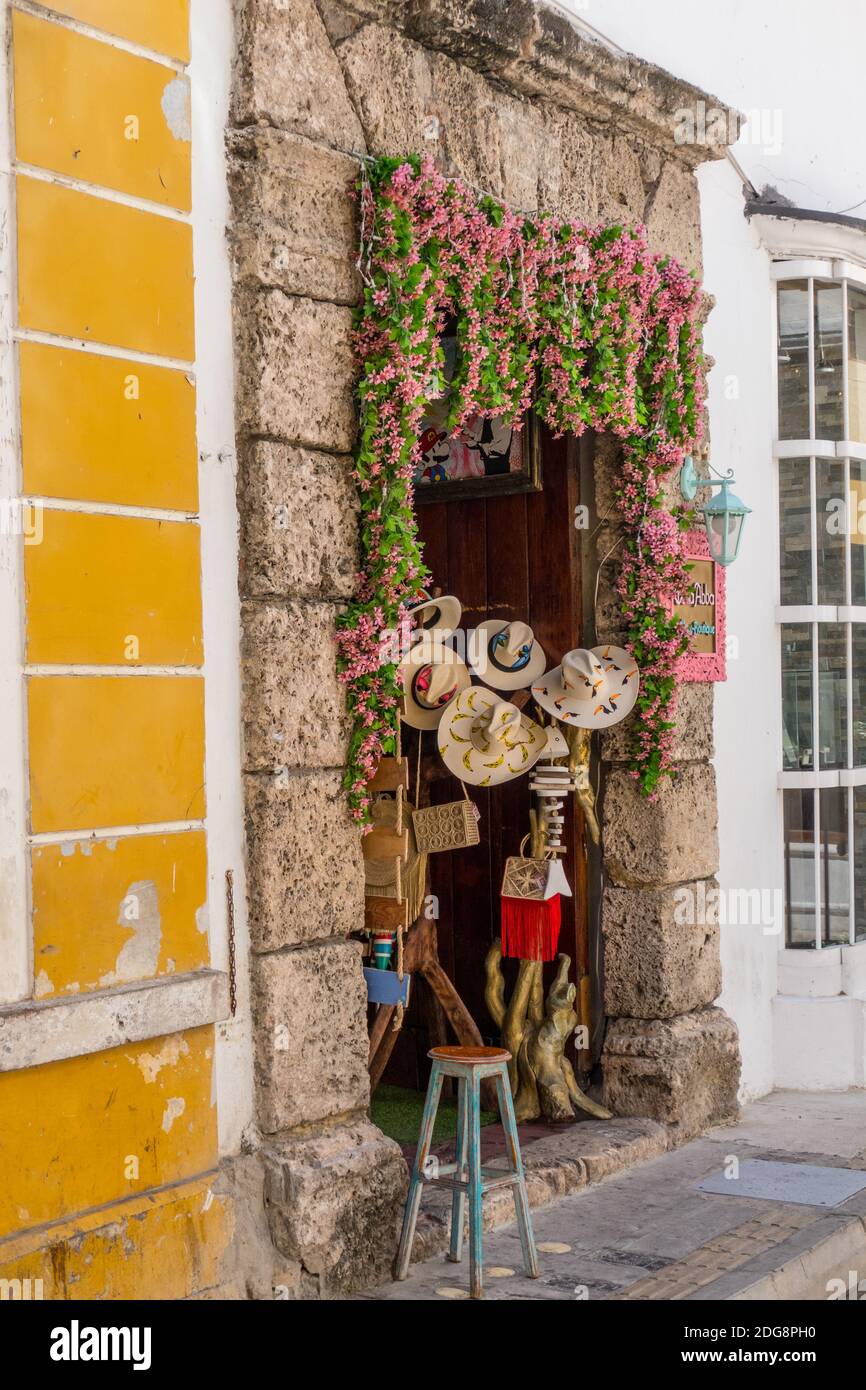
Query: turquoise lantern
[(724, 513)]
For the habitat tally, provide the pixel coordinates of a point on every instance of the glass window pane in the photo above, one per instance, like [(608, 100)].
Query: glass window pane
[(831, 528), (795, 535), (832, 695), (857, 528), (858, 691), (859, 863), (856, 364), (835, 882), (797, 696), (829, 395), (799, 820), (793, 352)]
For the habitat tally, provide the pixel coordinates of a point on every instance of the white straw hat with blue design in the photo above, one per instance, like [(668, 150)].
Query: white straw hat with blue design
[(505, 655)]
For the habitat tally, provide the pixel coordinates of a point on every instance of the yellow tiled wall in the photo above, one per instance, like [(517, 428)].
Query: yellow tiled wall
[(86, 1131), (106, 429), (104, 909), (113, 625)]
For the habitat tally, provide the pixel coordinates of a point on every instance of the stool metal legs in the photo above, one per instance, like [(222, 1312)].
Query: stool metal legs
[(413, 1201), (521, 1200), (476, 1188), (458, 1201), (466, 1174)]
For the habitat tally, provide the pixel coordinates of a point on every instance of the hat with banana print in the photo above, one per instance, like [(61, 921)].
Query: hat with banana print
[(484, 740)]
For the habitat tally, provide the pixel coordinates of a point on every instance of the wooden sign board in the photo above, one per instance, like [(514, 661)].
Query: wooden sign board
[(702, 609)]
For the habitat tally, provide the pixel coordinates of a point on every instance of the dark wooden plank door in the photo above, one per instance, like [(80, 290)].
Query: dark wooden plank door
[(513, 557)]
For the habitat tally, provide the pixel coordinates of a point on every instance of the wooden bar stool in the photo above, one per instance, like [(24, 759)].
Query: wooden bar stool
[(468, 1066)]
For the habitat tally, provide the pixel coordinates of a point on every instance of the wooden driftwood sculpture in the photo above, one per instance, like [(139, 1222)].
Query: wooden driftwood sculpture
[(579, 749), (535, 1032)]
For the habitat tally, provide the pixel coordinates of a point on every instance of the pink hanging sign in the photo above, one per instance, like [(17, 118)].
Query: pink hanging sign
[(702, 609)]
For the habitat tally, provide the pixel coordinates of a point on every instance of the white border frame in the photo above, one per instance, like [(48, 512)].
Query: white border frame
[(210, 72), (16, 951)]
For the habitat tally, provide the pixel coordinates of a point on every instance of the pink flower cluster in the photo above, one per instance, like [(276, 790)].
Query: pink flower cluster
[(584, 325)]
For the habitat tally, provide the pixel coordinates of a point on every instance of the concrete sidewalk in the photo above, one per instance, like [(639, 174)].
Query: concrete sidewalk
[(648, 1232)]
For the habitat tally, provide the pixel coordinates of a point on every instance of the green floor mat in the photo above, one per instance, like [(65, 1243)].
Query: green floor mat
[(398, 1111)]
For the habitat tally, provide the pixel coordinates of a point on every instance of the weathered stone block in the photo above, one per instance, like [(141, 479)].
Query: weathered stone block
[(682, 1071), (610, 621), (538, 52), (296, 369), (671, 839), (617, 176), (490, 33), (571, 70), (335, 1202), (294, 217), (294, 705), (339, 20), (692, 732), (286, 74), (299, 533), (607, 458), (411, 98), (310, 1007), (569, 150), (657, 962), (673, 215), (305, 873)]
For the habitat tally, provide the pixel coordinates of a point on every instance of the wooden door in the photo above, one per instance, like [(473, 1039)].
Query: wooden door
[(513, 557)]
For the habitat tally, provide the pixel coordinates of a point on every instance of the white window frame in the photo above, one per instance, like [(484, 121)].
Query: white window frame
[(843, 273)]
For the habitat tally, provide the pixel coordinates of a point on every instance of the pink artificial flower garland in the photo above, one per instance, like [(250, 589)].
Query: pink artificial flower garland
[(585, 326)]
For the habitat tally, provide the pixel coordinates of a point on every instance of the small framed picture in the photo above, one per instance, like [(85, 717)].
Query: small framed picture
[(487, 457), (702, 609)]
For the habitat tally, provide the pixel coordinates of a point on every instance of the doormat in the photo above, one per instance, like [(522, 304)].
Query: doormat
[(807, 1184)]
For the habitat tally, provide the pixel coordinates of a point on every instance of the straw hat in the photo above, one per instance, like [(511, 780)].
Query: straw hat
[(505, 655), (484, 740), (592, 689), (431, 677), (434, 615)]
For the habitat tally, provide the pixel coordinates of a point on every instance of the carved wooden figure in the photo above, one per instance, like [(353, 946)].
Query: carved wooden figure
[(535, 1032)]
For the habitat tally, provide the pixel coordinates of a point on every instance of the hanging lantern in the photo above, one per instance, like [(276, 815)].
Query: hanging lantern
[(724, 514)]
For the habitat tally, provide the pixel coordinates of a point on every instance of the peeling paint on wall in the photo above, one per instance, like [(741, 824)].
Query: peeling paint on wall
[(42, 986), (173, 1111), (176, 108), (150, 1064), (139, 955)]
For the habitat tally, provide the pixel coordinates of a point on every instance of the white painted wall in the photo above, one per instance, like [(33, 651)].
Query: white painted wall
[(210, 76), (802, 59), (747, 707), (795, 69)]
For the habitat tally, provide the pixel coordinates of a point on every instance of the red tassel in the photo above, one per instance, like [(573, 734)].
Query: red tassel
[(530, 929)]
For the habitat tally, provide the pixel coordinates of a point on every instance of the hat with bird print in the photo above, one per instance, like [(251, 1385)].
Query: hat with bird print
[(592, 689)]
